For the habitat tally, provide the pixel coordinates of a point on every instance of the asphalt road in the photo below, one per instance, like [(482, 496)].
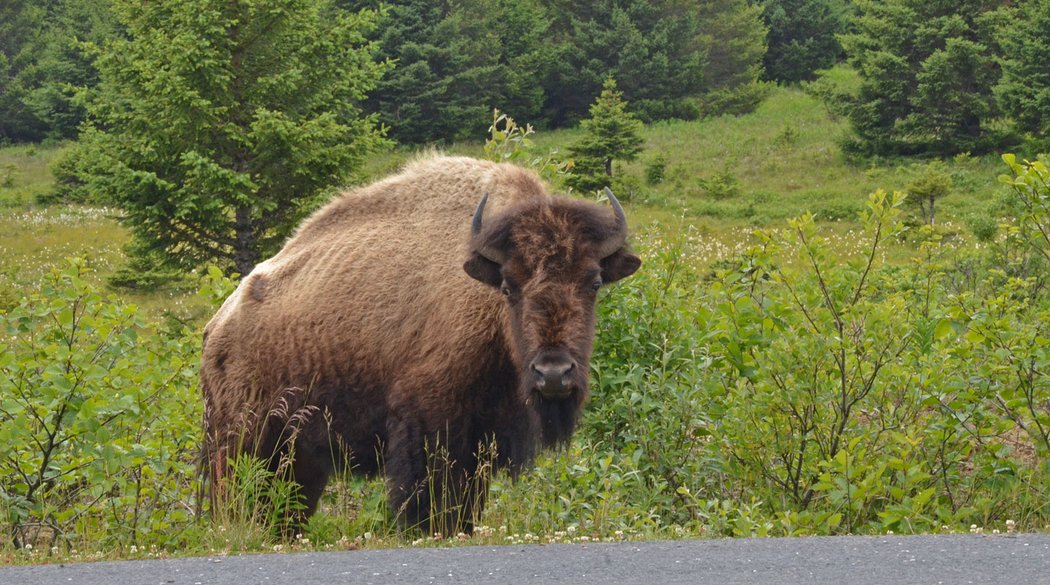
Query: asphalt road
[(849, 560)]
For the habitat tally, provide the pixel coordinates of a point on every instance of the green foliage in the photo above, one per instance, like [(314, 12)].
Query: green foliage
[(217, 126), (611, 133), (98, 417), (456, 62), (1025, 86), (509, 142), (21, 25), (8, 172), (928, 70), (656, 170), (47, 65), (722, 185), (933, 183), (802, 37), (1031, 185), (654, 49), (836, 88), (734, 40)]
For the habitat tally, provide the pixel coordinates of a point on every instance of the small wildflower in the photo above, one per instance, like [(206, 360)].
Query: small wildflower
[(29, 547), (134, 549), (278, 547), (1011, 526)]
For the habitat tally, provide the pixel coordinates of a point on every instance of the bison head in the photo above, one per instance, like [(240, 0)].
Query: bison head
[(548, 258)]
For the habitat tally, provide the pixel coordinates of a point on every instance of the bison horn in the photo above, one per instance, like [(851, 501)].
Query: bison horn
[(618, 237), (475, 229)]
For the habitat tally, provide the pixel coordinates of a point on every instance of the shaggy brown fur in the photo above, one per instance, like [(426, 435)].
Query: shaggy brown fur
[(382, 326)]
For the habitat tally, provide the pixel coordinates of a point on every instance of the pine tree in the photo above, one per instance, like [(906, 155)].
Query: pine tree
[(22, 24), (217, 125), (927, 69), (611, 133), (1025, 86), (802, 37), (734, 41), (456, 62), (652, 48)]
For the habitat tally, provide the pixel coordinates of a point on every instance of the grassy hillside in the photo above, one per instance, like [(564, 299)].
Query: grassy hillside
[(721, 175)]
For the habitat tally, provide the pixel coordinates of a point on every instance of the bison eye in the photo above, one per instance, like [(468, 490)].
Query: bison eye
[(505, 289), (597, 284)]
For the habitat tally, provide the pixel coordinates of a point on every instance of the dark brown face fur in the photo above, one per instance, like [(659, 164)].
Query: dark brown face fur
[(550, 280)]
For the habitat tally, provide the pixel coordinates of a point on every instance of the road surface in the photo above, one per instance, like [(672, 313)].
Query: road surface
[(849, 560)]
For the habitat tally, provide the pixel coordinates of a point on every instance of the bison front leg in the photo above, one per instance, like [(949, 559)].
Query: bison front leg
[(432, 486)]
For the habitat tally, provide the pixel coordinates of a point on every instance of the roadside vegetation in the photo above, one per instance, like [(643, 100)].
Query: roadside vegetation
[(841, 326)]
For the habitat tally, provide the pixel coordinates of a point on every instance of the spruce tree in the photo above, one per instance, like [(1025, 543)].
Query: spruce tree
[(611, 133), (1025, 86), (652, 48), (22, 25), (802, 37), (217, 125), (927, 70), (456, 62)]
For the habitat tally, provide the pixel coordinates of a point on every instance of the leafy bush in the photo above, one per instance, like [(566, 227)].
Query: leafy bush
[(655, 170), (723, 185), (98, 418)]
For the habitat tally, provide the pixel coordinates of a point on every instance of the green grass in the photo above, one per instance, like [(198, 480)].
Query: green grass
[(783, 159), (25, 173)]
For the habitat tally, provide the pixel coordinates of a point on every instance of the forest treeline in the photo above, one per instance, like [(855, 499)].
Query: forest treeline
[(451, 63), (935, 78)]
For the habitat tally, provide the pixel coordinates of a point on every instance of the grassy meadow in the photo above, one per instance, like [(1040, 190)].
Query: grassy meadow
[(762, 375)]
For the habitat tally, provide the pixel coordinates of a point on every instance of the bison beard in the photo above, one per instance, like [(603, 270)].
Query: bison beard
[(394, 334)]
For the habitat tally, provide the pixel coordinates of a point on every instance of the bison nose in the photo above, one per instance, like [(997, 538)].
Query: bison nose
[(553, 377)]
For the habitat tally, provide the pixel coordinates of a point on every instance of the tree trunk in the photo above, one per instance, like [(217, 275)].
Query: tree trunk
[(608, 166), (244, 254)]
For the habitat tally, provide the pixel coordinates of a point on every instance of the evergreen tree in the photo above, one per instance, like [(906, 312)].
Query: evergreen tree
[(216, 125), (651, 47), (927, 69), (1025, 86), (802, 37), (734, 40), (611, 133), (22, 24), (63, 67), (456, 62)]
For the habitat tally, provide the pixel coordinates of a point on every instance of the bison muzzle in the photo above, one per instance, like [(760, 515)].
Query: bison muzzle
[(429, 327)]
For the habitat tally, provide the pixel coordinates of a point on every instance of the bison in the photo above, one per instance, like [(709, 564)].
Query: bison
[(447, 309)]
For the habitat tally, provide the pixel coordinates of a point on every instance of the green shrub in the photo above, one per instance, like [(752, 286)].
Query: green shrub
[(8, 173), (722, 185), (655, 171), (99, 419)]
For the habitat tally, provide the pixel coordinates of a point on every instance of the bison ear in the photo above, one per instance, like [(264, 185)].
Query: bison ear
[(619, 264), (482, 269)]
